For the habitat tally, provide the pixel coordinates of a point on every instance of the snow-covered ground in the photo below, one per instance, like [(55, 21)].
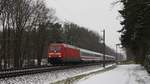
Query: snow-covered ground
[(123, 74), (51, 77)]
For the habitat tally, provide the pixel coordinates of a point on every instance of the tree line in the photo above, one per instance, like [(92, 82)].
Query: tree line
[(24, 24), (136, 32), (28, 26)]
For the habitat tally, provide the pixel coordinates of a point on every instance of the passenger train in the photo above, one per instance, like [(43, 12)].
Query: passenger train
[(61, 53)]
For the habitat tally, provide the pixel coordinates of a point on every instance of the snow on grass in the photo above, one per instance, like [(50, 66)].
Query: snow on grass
[(84, 75), (123, 74), (50, 77)]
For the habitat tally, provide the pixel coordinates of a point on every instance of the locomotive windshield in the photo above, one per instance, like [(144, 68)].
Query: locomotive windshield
[(55, 48)]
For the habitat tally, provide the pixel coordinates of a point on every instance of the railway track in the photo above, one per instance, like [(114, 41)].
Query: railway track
[(14, 73)]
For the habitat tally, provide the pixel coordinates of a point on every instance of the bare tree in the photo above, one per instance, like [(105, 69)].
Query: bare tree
[(24, 24)]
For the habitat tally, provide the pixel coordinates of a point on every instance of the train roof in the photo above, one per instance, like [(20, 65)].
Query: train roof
[(65, 45), (89, 51)]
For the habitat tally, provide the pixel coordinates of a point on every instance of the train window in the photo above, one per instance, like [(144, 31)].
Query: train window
[(55, 48)]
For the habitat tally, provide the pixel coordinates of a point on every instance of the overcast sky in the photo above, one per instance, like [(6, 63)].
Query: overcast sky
[(96, 15)]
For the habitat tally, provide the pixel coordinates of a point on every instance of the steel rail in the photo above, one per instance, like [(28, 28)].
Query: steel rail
[(15, 73)]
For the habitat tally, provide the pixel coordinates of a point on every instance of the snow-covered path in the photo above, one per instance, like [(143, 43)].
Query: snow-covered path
[(123, 74)]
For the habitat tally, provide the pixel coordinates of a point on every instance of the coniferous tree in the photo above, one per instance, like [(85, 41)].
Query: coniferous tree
[(136, 32)]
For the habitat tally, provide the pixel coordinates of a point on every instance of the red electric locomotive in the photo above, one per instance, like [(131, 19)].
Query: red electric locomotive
[(63, 53)]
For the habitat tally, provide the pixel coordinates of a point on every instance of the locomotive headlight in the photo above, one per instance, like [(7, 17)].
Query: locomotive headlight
[(58, 54)]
